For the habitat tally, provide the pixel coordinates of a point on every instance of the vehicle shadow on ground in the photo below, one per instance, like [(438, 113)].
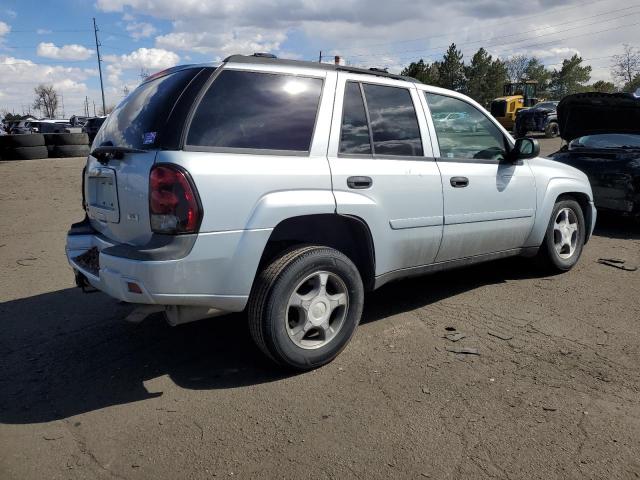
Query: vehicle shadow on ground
[(65, 353), (616, 226)]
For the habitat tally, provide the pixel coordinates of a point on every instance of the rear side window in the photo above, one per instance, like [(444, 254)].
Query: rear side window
[(354, 137), (138, 120), (253, 110), (394, 124)]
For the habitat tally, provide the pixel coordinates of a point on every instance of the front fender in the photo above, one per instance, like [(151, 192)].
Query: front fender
[(555, 187)]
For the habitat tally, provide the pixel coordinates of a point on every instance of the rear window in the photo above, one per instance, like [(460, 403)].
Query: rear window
[(138, 120), (251, 110), (394, 123)]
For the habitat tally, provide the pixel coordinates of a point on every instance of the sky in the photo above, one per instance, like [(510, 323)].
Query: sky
[(52, 41)]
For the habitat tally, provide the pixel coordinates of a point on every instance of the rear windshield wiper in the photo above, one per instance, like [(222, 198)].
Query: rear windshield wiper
[(104, 153)]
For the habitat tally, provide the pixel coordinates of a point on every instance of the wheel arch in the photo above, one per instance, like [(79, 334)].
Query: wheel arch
[(557, 188), (346, 233)]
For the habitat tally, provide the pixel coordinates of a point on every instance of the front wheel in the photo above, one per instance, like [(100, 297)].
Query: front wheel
[(564, 240), (552, 130), (305, 306)]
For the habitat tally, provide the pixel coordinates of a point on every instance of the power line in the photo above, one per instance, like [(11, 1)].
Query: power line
[(479, 27), (511, 35)]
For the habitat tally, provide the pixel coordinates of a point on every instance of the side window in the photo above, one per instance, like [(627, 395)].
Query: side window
[(394, 124), (354, 137), (463, 131), (258, 111)]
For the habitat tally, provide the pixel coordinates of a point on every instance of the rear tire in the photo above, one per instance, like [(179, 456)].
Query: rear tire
[(296, 319), (564, 240)]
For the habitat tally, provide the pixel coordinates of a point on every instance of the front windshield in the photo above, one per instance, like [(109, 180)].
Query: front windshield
[(606, 140), (545, 105)]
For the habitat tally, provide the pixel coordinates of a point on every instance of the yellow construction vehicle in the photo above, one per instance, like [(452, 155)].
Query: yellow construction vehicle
[(516, 96)]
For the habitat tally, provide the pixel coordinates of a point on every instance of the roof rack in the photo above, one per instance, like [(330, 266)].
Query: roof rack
[(272, 60)]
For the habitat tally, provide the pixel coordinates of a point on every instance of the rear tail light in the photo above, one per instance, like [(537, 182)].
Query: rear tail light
[(174, 206)]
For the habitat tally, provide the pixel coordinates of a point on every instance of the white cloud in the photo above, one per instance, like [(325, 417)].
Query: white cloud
[(150, 58), (238, 40), (4, 29), (19, 76), (139, 30), (43, 31), (66, 52)]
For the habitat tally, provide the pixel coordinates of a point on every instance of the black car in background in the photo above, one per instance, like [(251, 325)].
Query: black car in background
[(542, 117), (92, 126), (602, 132)]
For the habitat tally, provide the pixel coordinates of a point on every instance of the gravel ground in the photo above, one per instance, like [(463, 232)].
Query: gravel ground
[(554, 392)]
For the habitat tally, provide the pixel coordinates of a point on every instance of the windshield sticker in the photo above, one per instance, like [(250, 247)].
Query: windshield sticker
[(149, 138)]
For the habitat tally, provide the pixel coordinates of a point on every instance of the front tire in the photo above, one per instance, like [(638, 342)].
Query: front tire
[(564, 240), (305, 306), (552, 130)]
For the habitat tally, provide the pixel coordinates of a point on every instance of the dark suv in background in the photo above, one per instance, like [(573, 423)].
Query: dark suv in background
[(92, 126), (542, 118)]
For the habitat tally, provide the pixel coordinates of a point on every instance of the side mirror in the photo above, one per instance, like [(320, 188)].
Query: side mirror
[(524, 148)]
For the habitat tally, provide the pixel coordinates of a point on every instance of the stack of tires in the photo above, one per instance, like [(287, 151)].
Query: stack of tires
[(32, 146), (61, 145), (22, 147)]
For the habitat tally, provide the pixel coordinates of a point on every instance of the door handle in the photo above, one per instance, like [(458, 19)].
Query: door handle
[(359, 183), (459, 182)]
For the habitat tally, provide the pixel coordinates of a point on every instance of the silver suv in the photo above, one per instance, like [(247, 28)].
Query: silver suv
[(288, 189)]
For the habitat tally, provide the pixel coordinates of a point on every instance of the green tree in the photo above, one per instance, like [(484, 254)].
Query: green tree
[(535, 70), (484, 77), (571, 78), (426, 73), (633, 85), (452, 69), (603, 87)]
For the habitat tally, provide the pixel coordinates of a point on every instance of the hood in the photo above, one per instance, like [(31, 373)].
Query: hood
[(594, 113)]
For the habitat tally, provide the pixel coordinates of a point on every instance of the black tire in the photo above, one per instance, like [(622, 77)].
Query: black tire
[(521, 132), (68, 139), (62, 151), (24, 153), (21, 140), (549, 257), (552, 130), (268, 305)]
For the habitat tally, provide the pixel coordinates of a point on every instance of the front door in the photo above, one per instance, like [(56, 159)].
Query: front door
[(383, 169), (489, 202)]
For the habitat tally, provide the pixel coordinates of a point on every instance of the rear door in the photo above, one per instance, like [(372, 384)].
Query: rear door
[(116, 193), (489, 202), (383, 168)]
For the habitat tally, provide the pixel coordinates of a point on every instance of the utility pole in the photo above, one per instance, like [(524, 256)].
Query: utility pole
[(94, 108), (62, 98), (95, 32), (320, 57)]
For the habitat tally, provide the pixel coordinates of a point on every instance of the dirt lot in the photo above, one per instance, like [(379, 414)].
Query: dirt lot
[(85, 395)]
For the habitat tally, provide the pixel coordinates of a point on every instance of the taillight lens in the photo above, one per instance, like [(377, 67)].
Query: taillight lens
[(173, 201)]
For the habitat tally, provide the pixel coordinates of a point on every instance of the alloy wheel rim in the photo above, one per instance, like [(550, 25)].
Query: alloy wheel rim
[(565, 233), (316, 310)]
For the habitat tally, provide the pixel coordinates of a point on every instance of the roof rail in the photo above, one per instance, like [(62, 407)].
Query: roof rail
[(271, 60)]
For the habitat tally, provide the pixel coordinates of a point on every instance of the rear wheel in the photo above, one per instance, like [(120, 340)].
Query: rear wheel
[(563, 242), (306, 306)]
